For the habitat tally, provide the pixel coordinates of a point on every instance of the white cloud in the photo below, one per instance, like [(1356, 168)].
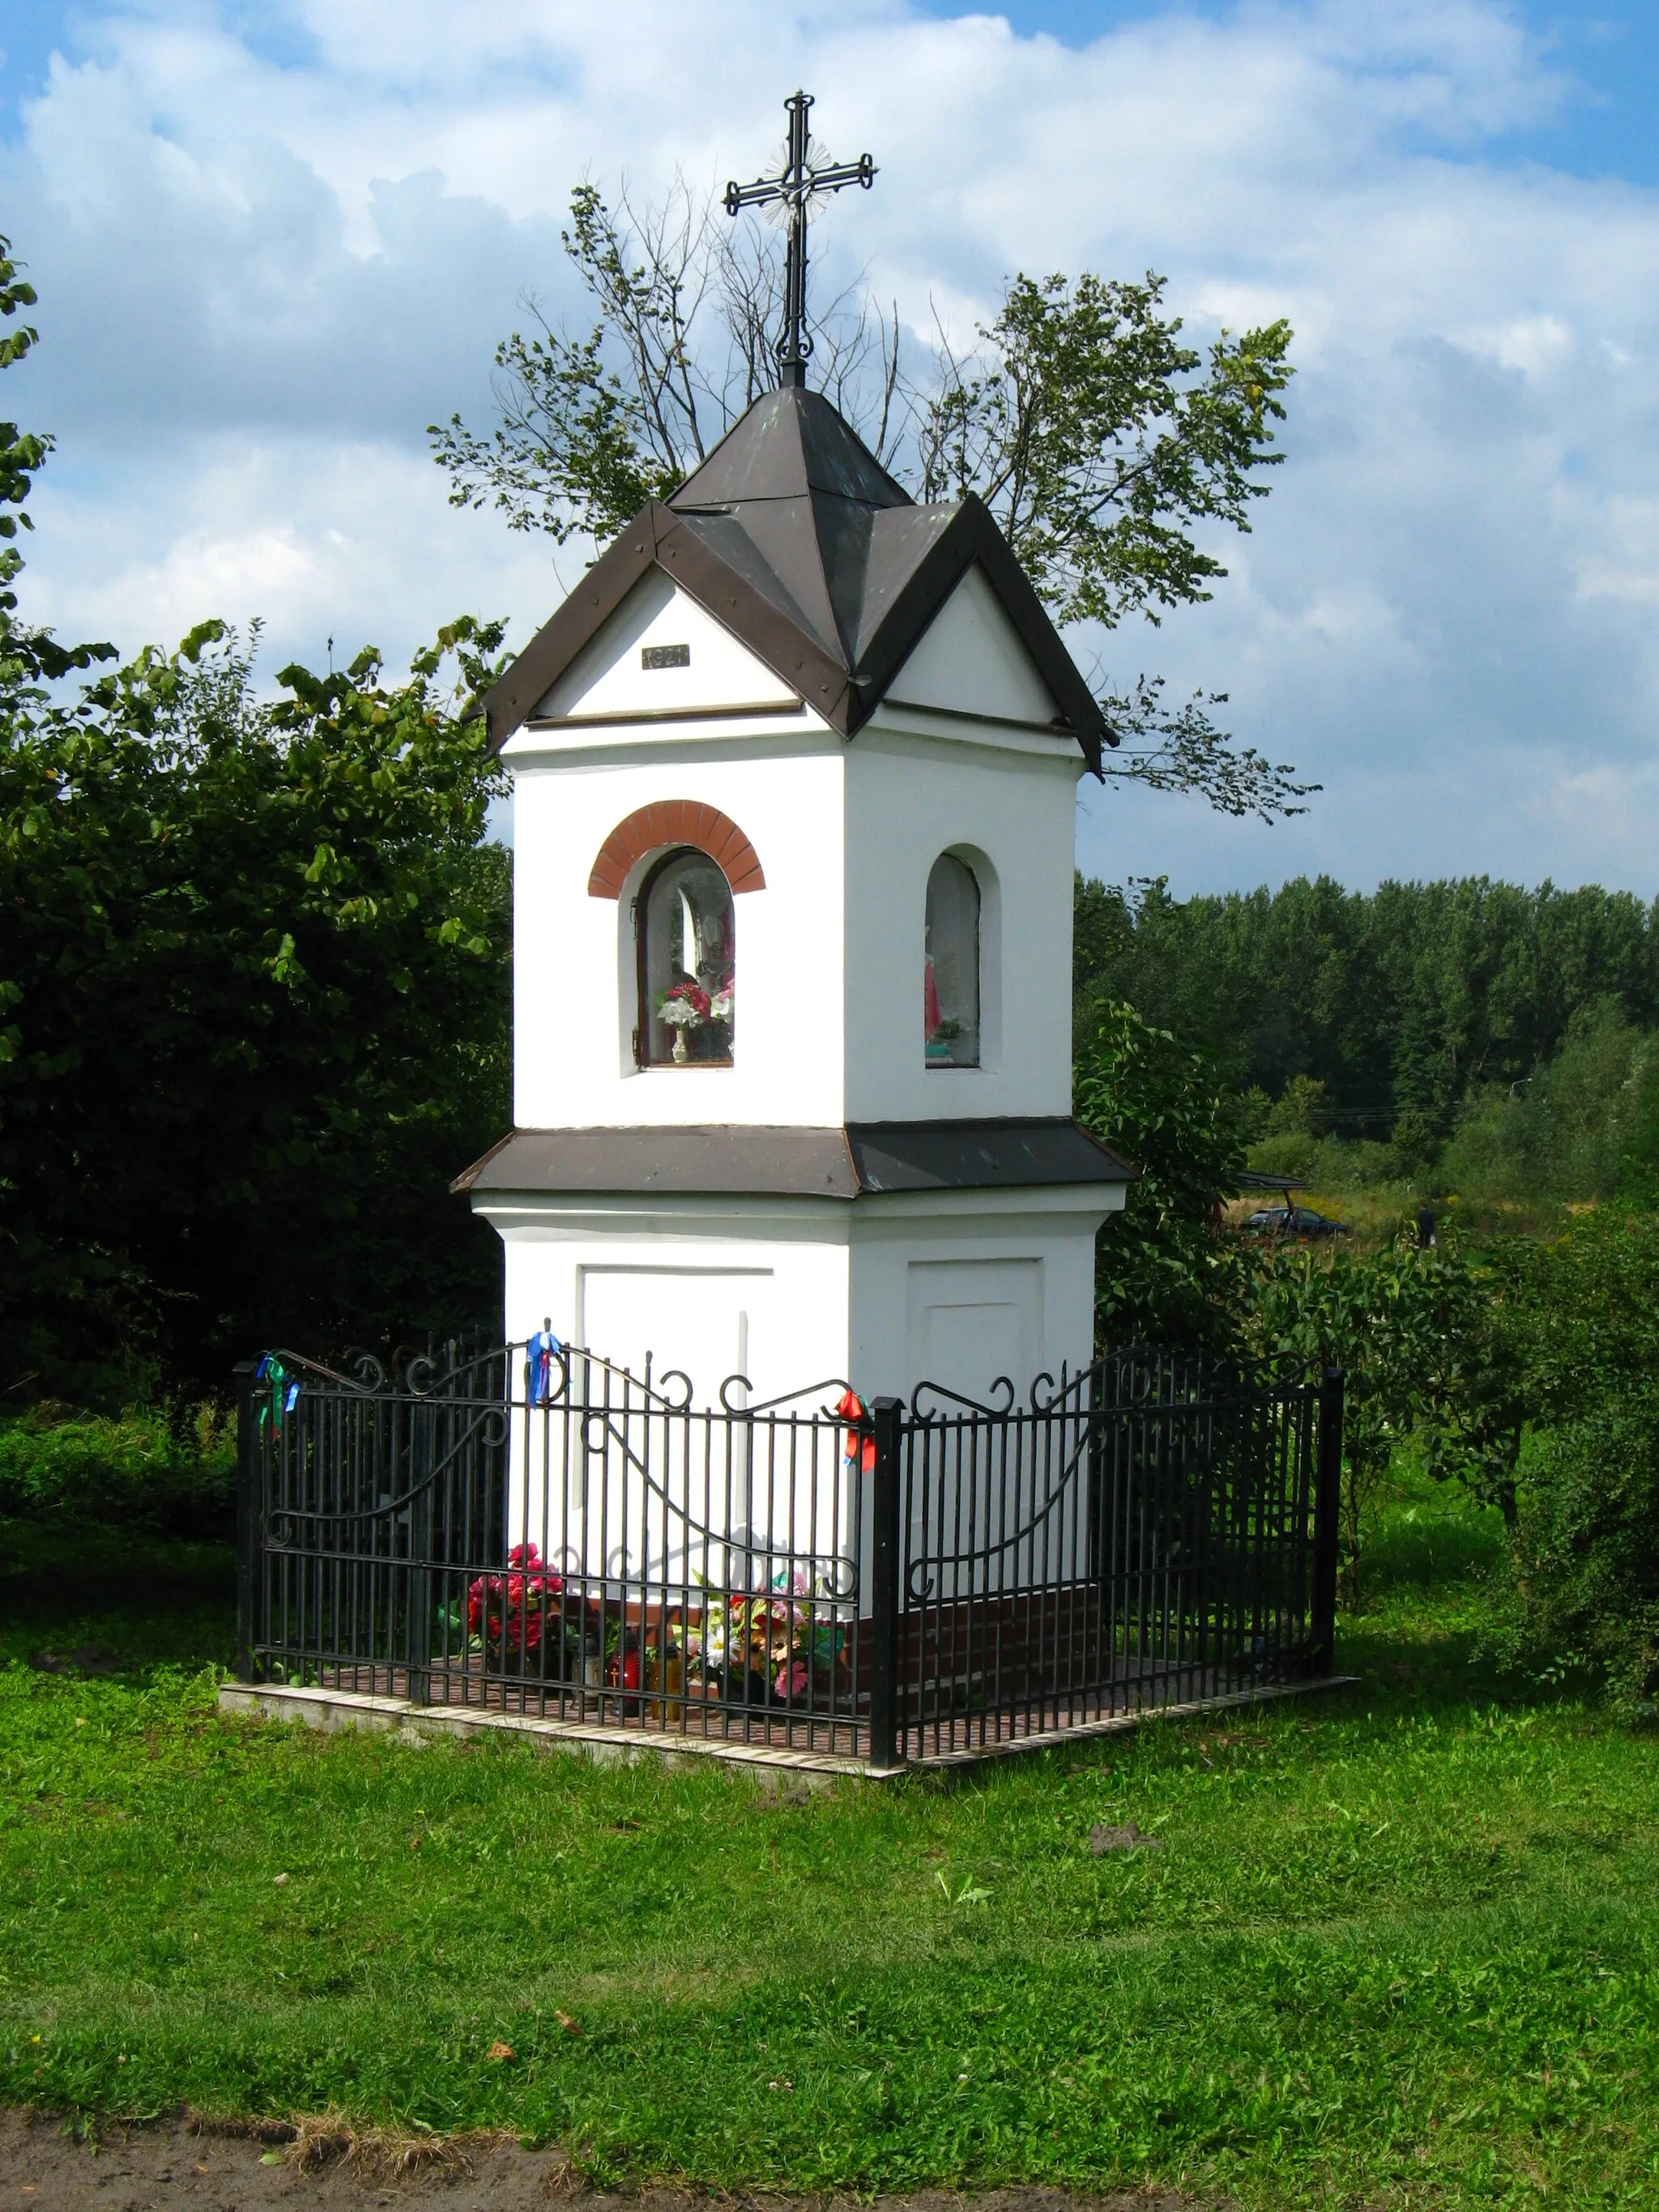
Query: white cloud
[(348, 540), (267, 261)]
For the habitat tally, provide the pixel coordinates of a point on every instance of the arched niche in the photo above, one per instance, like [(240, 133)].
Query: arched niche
[(951, 963), (685, 934)]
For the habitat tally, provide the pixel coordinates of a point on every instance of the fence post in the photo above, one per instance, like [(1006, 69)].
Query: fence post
[(1327, 1522), (250, 1526), (885, 1491)]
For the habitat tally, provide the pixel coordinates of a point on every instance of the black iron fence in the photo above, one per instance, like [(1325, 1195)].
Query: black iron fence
[(539, 1531)]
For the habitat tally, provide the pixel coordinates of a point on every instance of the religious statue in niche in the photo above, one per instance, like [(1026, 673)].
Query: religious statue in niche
[(686, 971), (949, 988)]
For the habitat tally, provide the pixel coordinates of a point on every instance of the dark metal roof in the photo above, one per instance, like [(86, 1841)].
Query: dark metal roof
[(762, 1162), (1001, 1155), (794, 536), (863, 1158), (790, 442)]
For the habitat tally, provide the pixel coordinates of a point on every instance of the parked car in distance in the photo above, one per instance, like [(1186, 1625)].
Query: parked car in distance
[(1297, 1221)]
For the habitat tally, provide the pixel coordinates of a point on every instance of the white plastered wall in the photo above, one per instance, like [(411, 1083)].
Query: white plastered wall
[(777, 775), (910, 796), (1017, 1266), (970, 660), (608, 677), (574, 994), (829, 955), (960, 757), (783, 1263), (886, 1292), (827, 1287), (964, 1290), (699, 1285)]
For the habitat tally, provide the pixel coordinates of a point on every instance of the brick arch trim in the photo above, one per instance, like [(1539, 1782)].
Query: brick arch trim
[(675, 822)]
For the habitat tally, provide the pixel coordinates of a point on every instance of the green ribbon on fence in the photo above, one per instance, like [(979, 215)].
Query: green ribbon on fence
[(282, 1392)]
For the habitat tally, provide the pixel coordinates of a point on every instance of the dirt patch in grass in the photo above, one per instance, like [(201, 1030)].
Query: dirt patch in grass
[(321, 2163)]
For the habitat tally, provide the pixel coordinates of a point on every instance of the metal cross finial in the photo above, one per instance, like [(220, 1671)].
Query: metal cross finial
[(794, 191)]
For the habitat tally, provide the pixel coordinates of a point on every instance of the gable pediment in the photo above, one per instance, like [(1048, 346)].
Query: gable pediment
[(632, 667), (970, 660)]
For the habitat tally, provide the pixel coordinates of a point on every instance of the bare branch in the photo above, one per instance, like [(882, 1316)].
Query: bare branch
[(1096, 436)]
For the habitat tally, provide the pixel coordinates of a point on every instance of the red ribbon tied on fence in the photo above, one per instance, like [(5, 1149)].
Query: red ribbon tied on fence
[(860, 1438)]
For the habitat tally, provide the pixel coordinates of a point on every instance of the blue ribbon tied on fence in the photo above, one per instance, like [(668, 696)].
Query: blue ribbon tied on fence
[(541, 1354)]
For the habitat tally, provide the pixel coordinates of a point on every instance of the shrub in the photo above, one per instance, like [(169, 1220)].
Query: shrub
[(137, 1472), (1360, 1162), (1400, 1323), (1568, 1130), (1293, 1152), (1587, 1547)]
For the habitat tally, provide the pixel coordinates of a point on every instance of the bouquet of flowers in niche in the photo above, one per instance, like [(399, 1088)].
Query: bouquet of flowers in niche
[(517, 1619), (772, 1646), (700, 1019)]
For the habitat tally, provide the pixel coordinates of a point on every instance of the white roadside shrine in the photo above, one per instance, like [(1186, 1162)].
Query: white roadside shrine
[(794, 771)]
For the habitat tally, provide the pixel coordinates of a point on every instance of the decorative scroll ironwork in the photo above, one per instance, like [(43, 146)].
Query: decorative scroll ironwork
[(814, 1570)]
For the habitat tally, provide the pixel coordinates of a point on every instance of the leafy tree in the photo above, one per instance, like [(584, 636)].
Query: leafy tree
[(26, 655), (1568, 1130), (594, 425), (1100, 439), (253, 1003), (1084, 424), (255, 1007), (1166, 1272), (1587, 1551)]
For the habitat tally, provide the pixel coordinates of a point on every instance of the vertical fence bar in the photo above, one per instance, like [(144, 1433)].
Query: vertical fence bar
[(886, 1492), (250, 1552), (421, 1516), (1328, 1508)]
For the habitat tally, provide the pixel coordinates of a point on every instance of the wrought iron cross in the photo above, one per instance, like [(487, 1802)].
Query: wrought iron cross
[(799, 184)]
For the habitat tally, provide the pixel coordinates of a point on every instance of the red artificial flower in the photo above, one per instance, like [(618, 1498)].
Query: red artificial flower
[(509, 1609)]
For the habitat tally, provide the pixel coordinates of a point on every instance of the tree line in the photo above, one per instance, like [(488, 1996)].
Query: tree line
[(1408, 1004)]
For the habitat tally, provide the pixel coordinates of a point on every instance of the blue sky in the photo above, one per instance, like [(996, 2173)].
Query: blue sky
[(274, 240)]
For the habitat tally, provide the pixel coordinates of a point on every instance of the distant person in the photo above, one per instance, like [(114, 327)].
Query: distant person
[(1425, 1236)]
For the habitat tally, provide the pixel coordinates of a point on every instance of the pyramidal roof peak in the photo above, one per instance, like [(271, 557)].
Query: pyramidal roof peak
[(789, 443), (793, 536)]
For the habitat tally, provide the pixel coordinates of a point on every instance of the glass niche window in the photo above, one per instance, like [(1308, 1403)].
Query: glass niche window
[(949, 989), (687, 973)]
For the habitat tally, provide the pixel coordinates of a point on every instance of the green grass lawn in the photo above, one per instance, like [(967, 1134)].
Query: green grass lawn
[(1400, 1946)]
